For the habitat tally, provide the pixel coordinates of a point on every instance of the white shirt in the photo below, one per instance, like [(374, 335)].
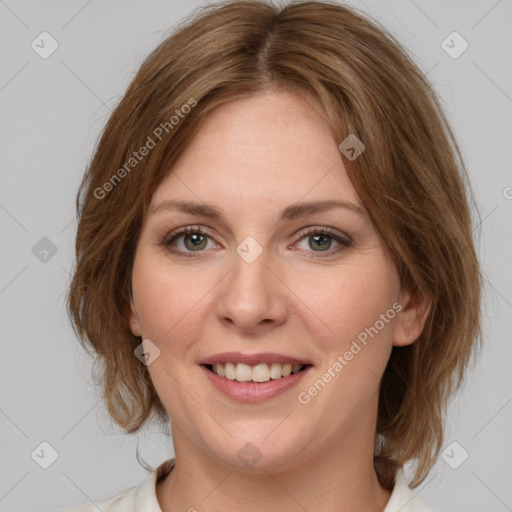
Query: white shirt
[(142, 498)]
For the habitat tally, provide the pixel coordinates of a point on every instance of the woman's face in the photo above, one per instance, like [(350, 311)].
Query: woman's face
[(267, 283)]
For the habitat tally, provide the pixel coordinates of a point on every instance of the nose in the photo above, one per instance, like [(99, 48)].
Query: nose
[(252, 298)]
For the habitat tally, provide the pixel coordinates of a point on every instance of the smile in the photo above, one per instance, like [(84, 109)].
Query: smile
[(254, 391), (262, 372)]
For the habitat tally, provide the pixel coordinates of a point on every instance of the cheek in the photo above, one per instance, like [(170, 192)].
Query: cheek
[(155, 312), (168, 304), (350, 300), (354, 341), (165, 299)]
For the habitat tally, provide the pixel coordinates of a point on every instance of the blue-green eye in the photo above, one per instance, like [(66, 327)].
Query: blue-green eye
[(191, 239), (194, 240), (320, 240)]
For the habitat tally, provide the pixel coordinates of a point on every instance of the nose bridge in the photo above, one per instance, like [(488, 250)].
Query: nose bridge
[(250, 293)]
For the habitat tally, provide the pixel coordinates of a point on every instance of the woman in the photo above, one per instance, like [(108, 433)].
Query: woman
[(274, 253)]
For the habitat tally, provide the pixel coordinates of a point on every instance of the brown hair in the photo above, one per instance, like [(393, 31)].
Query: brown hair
[(411, 178)]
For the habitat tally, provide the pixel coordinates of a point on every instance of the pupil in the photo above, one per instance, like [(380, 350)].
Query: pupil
[(196, 240), (321, 241)]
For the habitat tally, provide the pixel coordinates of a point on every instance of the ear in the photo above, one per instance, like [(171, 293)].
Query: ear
[(410, 321), (134, 320)]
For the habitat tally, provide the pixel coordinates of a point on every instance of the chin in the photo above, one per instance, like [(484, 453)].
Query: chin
[(258, 448)]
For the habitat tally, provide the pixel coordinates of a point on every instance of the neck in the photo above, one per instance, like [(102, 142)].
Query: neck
[(339, 479)]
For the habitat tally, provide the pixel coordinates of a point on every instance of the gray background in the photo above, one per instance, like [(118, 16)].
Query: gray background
[(52, 111)]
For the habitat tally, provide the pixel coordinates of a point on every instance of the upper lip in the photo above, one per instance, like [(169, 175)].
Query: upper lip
[(252, 359)]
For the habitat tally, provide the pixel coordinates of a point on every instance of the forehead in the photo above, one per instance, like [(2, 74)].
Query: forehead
[(269, 149)]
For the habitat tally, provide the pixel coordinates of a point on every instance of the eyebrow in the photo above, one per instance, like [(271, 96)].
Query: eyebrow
[(291, 212)]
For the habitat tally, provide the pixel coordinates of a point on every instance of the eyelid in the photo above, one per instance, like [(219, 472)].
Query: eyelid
[(197, 228), (323, 230)]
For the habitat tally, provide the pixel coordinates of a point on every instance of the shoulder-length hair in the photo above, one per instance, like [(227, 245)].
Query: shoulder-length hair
[(411, 178)]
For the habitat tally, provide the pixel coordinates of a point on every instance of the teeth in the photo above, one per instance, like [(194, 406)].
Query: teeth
[(219, 370), (275, 371), (229, 371), (260, 373), (242, 372)]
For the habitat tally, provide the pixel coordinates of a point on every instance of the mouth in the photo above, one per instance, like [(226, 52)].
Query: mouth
[(259, 373), (254, 378)]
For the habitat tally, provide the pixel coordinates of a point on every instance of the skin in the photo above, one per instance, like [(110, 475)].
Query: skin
[(251, 158)]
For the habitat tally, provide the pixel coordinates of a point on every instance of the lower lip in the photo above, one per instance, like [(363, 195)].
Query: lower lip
[(254, 392)]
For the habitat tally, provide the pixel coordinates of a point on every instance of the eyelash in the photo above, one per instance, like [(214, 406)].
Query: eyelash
[(170, 238)]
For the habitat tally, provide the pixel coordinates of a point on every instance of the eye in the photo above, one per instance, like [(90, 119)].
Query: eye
[(194, 239), (320, 240), (187, 240)]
